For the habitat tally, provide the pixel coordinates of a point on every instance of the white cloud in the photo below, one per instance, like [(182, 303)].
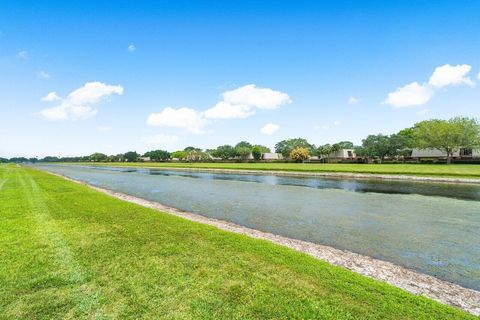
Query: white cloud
[(93, 92), (44, 75), (51, 96), (478, 76), (160, 139), (236, 104), (225, 110), (253, 96), (451, 75), (353, 100), (23, 55), (336, 123), (241, 103), (131, 47), (269, 128), (412, 94), (187, 118), (104, 129), (66, 112), (79, 104)]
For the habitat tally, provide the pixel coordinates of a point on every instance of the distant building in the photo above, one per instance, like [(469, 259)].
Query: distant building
[(342, 154), (248, 157), (462, 153), (146, 159), (272, 156)]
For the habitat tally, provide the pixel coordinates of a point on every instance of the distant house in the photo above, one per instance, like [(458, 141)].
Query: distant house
[(248, 157), (342, 154), (272, 156), (146, 159), (462, 153)]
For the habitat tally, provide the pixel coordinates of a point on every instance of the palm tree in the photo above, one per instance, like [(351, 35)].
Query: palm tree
[(324, 151), (334, 149)]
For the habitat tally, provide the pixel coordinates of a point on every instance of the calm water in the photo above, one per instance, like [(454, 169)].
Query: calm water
[(433, 228)]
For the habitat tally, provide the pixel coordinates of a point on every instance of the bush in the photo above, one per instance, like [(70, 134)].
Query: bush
[(257, 153), (300, 154)]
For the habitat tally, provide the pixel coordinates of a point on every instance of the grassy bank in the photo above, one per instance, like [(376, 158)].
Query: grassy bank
[(428, 170), (71, 252)]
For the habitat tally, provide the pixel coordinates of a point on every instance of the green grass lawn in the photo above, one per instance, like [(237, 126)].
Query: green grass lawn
[(433, 170), (67, 251)]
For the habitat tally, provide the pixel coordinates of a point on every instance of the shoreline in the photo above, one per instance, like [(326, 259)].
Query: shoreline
[(349, 175), (407, 279)]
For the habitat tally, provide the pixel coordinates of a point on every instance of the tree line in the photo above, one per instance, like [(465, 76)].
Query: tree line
[(447, 136)]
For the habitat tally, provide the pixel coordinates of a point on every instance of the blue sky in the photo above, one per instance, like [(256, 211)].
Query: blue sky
[(141, 75)]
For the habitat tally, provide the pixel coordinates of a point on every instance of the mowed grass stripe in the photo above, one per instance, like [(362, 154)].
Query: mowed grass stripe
[(67, 267), (62, 277), (4, 179), (2, 183), (136, 262)]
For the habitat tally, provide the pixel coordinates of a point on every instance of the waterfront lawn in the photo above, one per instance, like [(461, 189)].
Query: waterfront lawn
[(432, 170), (68, 251)]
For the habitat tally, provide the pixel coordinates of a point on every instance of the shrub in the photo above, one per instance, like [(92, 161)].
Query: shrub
[(257, 152), (300, 154)]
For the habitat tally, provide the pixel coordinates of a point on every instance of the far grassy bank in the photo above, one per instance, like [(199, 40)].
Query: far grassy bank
[(71, 252), (427, 170)]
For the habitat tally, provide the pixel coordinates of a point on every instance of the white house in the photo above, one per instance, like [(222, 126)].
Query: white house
[(342, 154), (272, 156), (435, 153)]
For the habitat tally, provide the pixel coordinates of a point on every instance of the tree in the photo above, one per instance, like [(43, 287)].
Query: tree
[(360, 151), (447, 135), (324, 150), (131, 156), (188, 149), (336, 147), (243, 149), (257, 152), (157, 155), (180, 154), (300, 154), (406, 138), (245, 144), (263, 148), (197, 155), (243, 152), (224, 152), (119, 157), (327, 150), (377, 146), (112, 158), (285, 147), (345, 145), (18, 160), (400, 144), (50, 159), (98, 157)]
